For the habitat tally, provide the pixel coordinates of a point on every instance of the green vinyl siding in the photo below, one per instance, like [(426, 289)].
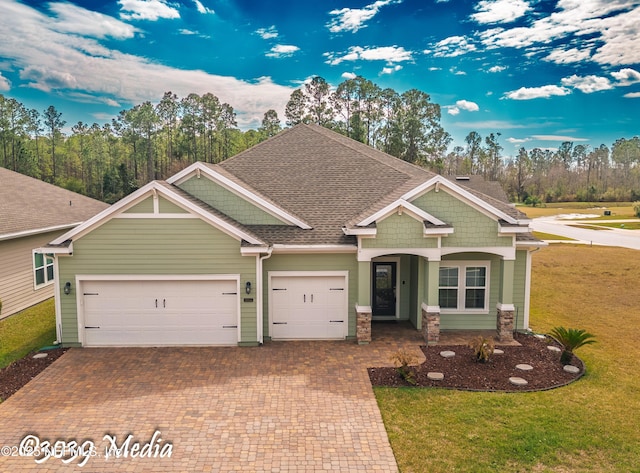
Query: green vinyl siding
[(399, 231), (166, 207), (471, 227), (144, 207), (319, 262), (519, 282), (228, 202), (155, 246)]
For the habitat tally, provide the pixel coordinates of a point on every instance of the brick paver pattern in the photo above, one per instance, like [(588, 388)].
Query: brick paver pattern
[(282, 407)]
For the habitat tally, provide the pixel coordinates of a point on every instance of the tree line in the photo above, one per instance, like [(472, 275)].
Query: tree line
[(153, 141)]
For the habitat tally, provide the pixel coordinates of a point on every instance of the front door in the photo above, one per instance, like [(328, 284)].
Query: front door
[(384, 289)]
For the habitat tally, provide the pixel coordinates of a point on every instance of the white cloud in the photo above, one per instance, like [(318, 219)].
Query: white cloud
[(268, 33), (496, 69), (5, 85), (609, 26), (77, 20), (390, 54), (528, 93), (587, 84), (201, 8), (569, 56), (452, 46), (71, 65), (453, 110), (500, 11), (282, 50), (518, 141), (490, 125), (632, 95), (348, 75), (151, 10), (390, 70), (467, 105), (432, 69), (352, 19), (557, 138), (626, 77)]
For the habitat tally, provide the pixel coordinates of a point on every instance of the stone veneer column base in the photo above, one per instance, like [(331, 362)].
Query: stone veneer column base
[(363, 325), (431, 324), (504, 322)]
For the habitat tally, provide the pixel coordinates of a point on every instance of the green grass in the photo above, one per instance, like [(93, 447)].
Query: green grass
[(589, 227), (26, 331), (588, 426), (550, 236), (618, 209), (627, 225)]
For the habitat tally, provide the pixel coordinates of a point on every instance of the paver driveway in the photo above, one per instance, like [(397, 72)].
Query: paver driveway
[(282, 407)]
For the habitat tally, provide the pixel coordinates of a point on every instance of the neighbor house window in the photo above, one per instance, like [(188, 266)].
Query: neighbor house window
[(42, 269), (464, 286)]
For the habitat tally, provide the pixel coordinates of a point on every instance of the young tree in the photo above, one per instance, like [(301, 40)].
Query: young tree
[(270, 124), (54, 123)]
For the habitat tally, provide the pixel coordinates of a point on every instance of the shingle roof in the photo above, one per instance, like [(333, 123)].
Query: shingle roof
[(31, 205), (324, 178)]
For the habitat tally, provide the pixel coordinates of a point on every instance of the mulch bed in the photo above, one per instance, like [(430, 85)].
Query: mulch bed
[(464, 373), (20, 372)]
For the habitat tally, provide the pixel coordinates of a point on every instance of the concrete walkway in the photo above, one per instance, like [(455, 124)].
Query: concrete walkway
[(282, 407)]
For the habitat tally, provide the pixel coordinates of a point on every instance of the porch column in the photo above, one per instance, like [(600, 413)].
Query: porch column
[(431, 309), (505, 307), (363, 307)]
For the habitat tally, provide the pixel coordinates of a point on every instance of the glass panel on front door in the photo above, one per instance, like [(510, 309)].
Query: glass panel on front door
[(384, 289)]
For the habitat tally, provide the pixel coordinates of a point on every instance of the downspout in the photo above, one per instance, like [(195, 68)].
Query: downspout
[(57, 301), (260, 306)]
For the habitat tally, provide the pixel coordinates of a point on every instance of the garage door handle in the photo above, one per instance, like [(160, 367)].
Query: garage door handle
[(229, 326), (164, 303), (90, 327), (279, 323), (312, 298), (336, 289), (156, 303), (336, 321)]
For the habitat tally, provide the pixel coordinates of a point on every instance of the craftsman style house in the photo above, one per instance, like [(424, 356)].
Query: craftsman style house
[(308, 235)]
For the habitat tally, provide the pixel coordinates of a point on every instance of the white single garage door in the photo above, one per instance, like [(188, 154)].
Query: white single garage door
[(179, 312), (308, 307)]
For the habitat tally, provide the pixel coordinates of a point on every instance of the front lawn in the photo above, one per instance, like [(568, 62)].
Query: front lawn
[(588, 426), (26, 331)]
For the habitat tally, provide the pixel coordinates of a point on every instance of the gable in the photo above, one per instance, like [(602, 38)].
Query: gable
[(228, 202), (472, 228), (399, 231)]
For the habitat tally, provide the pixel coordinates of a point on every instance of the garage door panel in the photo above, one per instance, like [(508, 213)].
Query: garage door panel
[(308, 307), (179, 312)]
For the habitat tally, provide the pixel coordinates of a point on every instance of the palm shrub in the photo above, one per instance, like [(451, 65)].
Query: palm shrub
[(571, 339), (482, 348), (402, 359)]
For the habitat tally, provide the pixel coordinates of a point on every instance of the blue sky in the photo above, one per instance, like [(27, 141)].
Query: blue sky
[(538, 72)]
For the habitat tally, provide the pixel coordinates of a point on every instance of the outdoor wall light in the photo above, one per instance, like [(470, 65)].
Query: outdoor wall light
[(67, 288), (247, 287)]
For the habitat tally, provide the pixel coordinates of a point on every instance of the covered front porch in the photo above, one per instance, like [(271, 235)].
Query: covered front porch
[(441, 295)]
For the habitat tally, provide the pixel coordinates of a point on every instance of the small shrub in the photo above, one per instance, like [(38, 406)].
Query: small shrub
[(482, 348), (402, 359), (571, 339), (636, 209)]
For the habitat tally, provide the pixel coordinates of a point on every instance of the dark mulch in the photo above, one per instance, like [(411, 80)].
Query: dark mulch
[(20, 372), (463, 372)]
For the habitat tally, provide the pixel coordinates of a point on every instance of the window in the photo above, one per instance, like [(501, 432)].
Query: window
[(464, 286), (42, 269)]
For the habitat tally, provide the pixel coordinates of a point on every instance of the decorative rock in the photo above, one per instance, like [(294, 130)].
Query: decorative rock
[(540, 336), (552, 348), (497, 351), (447, 354), (524, 367), (571, 369), (40, 355), (435, 376), (518, 381)]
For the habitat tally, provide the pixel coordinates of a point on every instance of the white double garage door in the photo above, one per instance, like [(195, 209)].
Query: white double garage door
[(139, 311)]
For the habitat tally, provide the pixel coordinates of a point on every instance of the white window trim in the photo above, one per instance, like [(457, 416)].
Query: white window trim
[(462, 274), (47, 281)]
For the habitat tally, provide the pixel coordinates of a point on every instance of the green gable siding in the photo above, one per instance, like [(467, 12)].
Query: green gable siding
[(399, 231), (227, 202), (471, 227), (166, 207), (519, 282), (144, 207), (325, 262), (155, 246)]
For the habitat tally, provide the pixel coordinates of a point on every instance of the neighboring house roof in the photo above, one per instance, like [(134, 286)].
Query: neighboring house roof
[(30, 206)]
